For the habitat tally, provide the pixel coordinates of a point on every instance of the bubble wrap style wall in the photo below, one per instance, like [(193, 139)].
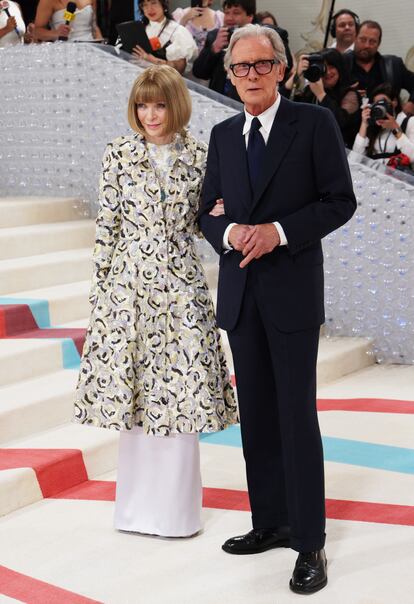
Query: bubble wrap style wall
[(369, 267), (61, 104)]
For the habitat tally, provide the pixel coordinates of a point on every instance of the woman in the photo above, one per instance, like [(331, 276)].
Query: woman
[(12, 27), (153, 365), (333, 90), (266, 18), (50, 22), (172, 44), (389, 137), (199, 20)]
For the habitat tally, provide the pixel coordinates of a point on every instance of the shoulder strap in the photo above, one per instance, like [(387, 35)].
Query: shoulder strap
[(404, 123)]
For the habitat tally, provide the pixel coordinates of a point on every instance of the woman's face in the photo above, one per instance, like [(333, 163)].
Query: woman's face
[(331, 77), (153, 117), (267, 21), (153, 10)]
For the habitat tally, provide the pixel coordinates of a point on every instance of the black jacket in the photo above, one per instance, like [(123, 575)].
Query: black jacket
[(305, 185), (392, 70)]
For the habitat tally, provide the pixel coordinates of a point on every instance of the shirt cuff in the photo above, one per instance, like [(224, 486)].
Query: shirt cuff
[(282, 236), (226, 244)]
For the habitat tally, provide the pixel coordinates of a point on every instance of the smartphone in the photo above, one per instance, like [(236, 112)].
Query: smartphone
[(196, 3)]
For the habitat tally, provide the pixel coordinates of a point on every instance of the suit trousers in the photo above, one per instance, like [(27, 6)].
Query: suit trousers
[(282, 446)]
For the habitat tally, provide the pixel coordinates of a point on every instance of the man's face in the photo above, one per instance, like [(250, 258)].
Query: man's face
[(366, 44), (236, 16), (345, 29), (258, 92)]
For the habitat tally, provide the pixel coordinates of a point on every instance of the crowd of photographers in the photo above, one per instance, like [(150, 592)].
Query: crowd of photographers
[(351, 78)]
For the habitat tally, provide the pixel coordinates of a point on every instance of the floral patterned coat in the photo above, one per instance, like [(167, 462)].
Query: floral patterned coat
[(153, 355)]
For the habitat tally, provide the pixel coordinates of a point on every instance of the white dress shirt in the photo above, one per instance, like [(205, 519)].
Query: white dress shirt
[(266, 119)]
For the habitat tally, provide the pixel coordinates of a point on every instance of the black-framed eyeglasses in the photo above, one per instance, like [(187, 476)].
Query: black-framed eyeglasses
[(263, 67)]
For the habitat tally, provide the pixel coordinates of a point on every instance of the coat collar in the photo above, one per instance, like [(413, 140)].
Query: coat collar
[(184, 148)]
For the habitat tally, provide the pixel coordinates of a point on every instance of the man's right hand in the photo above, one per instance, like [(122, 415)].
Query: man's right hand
[(239, 236), (221, 41)]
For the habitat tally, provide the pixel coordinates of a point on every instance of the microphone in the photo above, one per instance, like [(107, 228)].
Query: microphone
[(68, 15), (5, 6)]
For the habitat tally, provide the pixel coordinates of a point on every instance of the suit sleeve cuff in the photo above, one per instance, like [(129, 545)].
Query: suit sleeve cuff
[(226, 244), (282, 236)]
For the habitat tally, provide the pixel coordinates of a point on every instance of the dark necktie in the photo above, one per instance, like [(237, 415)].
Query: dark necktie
[(255, 152)]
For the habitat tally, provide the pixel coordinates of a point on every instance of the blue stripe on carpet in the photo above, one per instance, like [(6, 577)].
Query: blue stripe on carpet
[(340, 450)]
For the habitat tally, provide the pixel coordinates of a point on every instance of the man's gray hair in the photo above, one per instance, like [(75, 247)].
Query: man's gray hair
[(253, 31)]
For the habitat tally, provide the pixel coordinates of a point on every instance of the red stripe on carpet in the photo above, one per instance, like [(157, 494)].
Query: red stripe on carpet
[(56, 469), (32, 591), (18, 318), (2, 323), (229, 499), (370, 405)]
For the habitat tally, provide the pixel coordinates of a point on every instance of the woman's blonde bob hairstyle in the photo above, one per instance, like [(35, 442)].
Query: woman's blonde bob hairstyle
[(161, 83)]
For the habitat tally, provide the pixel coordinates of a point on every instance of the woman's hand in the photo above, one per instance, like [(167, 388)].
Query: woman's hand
[(191, 14), (140, 53), (365, 115), (218, 209), (302, 65), (389, 124), (318, 89), (63, 31)]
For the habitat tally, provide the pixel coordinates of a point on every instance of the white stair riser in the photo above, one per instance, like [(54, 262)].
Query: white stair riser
[(28, 363), (14, 245), (44, 275), (21, 213)]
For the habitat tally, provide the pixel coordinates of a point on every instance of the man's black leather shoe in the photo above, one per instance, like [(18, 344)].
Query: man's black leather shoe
[(256, 541), (310, 573)]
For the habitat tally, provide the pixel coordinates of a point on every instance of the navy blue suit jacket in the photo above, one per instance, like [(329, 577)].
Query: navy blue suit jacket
[(305, 185)]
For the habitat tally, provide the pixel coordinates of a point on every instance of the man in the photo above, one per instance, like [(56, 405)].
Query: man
[(344, 29), (371, 68), (209, 63), (282, 172)]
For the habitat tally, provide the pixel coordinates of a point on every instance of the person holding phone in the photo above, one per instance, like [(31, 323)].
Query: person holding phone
[(199, 19), (209, 63), (171, 43)]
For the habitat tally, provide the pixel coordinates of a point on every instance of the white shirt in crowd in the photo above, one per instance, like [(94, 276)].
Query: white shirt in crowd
[(334, 44), (182, 43), (266, 119), (12, 37), (386, 142)]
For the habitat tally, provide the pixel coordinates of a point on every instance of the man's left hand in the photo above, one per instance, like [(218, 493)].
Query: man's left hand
[(262, 239)]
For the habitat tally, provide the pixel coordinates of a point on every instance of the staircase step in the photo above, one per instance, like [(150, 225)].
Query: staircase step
[(62, 458), (340, 356), (37, 404), (44, 270), (25, 359), (63, 303), (16, 242), (19, 211)]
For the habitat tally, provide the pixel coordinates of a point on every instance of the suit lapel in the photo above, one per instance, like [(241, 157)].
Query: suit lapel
[(281, 136)]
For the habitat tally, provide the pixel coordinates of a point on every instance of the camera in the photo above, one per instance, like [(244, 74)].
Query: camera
[(316, 69), (230, 32), (379, 111)]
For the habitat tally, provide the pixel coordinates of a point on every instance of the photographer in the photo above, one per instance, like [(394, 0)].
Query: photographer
[(389, 137), (329, 86), (209, 63)]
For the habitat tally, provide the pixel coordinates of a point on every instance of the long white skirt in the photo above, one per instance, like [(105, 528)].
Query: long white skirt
[(158, 488)]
